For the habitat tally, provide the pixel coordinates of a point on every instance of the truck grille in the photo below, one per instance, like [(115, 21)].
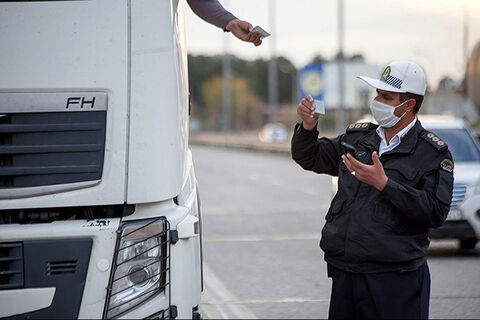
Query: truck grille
[(459, 191), (11, 265), (61, 267), (40, 149)]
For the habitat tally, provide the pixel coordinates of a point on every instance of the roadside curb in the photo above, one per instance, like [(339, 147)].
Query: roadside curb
[(241, 147), (237, 142)]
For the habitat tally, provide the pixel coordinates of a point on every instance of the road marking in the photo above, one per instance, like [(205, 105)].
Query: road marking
[(276, 183), (210, 310), (253, 238), (222, 298), (277, 300), (247, 211), (312, 192), (454, 297)]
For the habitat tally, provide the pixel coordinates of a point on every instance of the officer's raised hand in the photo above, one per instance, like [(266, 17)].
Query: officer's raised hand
[(373, 175), (305, 111)]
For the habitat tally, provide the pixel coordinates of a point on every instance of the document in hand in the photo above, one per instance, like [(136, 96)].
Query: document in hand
[(319, 106), (262, 32)]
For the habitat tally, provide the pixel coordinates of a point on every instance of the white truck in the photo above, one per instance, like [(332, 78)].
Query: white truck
[(99, 210)]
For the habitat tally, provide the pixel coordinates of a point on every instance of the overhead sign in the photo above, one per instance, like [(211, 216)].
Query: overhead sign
[(310, 81)]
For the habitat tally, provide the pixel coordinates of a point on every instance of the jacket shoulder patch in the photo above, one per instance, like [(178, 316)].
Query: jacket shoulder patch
[(435, 141), (446, 165), (361, 126)]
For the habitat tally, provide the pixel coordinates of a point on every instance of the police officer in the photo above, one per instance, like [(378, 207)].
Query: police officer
[(393, 185)]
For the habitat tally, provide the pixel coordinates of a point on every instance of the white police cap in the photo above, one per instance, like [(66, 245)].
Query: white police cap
[(400, 76)]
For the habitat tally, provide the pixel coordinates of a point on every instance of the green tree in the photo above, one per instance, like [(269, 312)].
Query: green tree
[(319, 59), (246, 107), (202, 68)]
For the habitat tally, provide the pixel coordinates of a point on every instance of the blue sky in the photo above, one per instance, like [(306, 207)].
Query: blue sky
[(429, 32)]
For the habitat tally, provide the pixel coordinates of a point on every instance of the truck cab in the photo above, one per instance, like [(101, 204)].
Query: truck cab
[(99, 209)]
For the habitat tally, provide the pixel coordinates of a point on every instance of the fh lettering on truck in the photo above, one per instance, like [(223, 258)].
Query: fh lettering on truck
[(80, 101)]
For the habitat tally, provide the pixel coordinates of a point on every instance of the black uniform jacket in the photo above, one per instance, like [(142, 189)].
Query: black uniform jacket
[(367, 230)]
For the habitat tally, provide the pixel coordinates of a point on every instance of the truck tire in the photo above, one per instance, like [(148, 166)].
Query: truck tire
[(468, 243)]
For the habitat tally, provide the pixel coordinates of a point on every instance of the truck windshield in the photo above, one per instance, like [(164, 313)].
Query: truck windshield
[(461, 144)]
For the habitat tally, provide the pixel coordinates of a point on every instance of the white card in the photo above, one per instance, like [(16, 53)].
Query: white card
[(319, 106), (263, 33)]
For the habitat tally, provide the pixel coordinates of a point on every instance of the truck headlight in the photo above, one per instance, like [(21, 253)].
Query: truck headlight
[(140, 265)]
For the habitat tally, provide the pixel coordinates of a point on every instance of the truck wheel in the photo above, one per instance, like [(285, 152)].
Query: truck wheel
[(468, 243)]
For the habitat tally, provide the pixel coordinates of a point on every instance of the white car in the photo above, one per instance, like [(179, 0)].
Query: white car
[(273, 133), (463, 220)]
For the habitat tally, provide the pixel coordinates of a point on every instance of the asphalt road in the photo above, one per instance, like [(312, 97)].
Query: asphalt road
[(262, 216)]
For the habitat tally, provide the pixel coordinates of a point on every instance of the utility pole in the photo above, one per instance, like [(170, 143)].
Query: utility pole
[(227, 84), (272, 66), (465, 51), (340, 123), (294, 86), (465, 36)]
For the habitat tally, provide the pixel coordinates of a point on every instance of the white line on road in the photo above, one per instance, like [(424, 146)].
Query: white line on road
[(222, 298), (454, 297), (246, 211), (280, 300), (253, 238), (311, 192)]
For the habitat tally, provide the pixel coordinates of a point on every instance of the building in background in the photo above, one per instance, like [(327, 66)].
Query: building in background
[(450, 98), (357, 93)]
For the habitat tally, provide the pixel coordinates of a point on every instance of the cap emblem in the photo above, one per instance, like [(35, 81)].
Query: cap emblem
[(391, 80), (386, 73)]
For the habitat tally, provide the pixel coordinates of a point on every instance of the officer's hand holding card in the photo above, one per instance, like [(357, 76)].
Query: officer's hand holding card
[(309, 110)]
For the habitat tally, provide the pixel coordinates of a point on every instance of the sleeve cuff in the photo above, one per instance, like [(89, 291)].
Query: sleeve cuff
[(301, 131), (226, 19), (391, 189)]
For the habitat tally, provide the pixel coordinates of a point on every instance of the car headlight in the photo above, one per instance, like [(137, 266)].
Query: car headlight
[(476, 188), (139, 269)]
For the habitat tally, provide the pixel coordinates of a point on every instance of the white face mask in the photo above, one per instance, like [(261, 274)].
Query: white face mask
[(383, 113)]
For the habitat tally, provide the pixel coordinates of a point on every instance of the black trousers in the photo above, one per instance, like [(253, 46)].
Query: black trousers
[(390, 295)]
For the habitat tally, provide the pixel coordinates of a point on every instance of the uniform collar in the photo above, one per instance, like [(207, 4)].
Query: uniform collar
[(409, 140), (399, 135)]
